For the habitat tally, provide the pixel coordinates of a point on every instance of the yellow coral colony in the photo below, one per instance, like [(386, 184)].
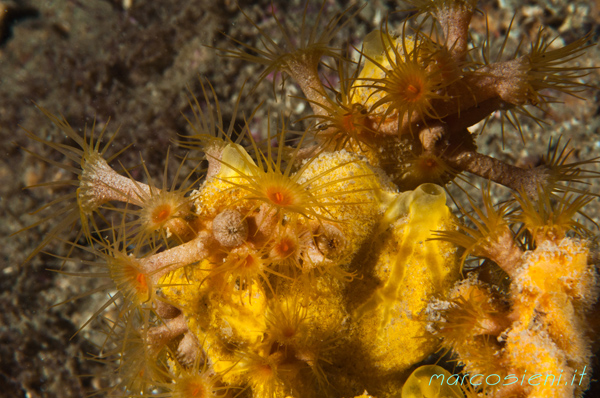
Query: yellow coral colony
[(303, 320), (330, 265)]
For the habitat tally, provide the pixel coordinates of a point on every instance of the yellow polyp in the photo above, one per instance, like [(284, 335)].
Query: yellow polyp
[(432, 381), (375, 65)]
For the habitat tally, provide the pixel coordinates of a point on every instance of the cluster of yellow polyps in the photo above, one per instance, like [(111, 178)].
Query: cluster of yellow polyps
[(351, 317)]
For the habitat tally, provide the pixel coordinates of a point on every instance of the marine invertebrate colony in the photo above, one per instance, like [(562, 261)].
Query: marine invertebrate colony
[(328, 263)]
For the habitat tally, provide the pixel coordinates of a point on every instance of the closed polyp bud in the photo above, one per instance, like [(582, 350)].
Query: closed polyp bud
[(330, 241), (230, 228)]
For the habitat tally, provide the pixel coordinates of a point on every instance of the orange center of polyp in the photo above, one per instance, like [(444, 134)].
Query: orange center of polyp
[(264, 372), (141, 281), (142, 289), (279, 197), (249, 262), (348, 122), (429, 163), (413, 92), (195, 389), (285, 247), (288, 332), (161, 214)]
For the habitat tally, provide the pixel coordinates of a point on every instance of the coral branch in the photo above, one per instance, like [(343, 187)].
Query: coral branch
[(516, 178), (169, 260)]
